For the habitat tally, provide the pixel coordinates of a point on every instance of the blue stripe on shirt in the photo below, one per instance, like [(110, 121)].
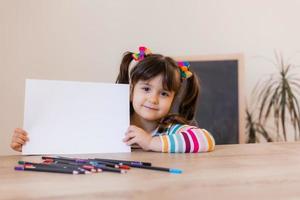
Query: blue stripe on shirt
[(172, 143), (174, 129)]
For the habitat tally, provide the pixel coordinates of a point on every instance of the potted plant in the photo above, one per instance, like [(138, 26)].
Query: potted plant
[(254, 127), (277, 100)]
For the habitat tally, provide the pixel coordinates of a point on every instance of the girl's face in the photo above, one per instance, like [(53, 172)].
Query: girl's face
[(150, 100)]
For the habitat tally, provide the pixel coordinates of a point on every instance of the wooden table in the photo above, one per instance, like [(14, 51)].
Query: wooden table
[(244, 171)]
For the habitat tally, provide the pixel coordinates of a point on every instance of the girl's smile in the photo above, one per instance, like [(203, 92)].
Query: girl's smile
[(150, 107)]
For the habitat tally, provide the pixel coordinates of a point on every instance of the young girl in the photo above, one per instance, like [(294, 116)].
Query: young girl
[(156, 82)]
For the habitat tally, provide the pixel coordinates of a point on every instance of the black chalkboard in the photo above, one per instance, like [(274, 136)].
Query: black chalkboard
[(219, 104)]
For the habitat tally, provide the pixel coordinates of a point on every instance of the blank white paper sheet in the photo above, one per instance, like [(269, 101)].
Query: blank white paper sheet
[(66, 117)]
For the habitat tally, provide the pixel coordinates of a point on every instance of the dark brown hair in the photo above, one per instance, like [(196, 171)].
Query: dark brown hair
[(152, 65)]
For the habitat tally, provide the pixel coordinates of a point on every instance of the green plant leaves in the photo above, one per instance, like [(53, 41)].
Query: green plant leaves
[(277, 100)]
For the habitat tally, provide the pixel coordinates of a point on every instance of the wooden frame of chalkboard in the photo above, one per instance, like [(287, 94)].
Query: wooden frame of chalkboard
[(221, 108)]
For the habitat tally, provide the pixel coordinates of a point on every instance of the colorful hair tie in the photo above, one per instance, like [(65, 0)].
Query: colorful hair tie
[(184, 69), (143, 51)]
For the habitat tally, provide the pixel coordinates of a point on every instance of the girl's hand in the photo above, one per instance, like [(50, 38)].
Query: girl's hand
[(136, 135), (19, 139), (144, 139)]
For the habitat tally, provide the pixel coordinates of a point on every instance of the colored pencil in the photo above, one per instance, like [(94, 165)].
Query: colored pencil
[(45, 169), (64, 158), (125, 162), (173, 171)]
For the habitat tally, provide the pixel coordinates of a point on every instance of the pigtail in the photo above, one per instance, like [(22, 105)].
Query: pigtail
[(123, 76), (188, 103)]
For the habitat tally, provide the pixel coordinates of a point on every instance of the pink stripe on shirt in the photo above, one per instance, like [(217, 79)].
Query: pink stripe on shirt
[(195, 140), (187, 142)]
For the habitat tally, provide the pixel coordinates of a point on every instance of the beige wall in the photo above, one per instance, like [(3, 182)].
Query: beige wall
[(84, 39)]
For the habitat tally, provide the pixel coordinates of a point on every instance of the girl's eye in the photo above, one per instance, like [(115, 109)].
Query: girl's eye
[(146, 89), (165, 94)]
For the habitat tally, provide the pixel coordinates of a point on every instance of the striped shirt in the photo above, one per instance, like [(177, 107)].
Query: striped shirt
[(185, 139)]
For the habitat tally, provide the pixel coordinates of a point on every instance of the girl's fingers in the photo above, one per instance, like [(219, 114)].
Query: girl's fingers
[(16, 146), (23, 137), (128, 136), (19, 141), (131, 141), (131, 134), (20, 134), (19, 130)]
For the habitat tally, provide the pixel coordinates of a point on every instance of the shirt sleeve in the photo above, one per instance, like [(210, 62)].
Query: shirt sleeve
[(187, 139)]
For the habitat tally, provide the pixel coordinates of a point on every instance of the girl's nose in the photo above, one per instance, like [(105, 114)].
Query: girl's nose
[(153, 98)]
